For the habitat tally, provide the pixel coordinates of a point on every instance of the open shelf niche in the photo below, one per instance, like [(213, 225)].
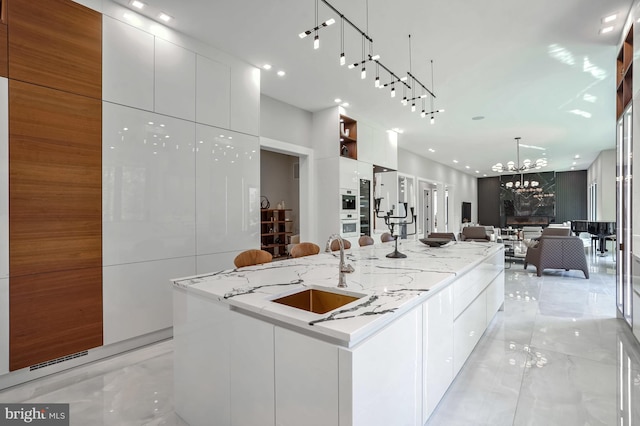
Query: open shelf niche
[(624, 74), (348, 137)]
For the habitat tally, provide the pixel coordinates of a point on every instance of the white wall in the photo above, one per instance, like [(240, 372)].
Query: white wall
[(461, 186), (603, 173), (284, 122)]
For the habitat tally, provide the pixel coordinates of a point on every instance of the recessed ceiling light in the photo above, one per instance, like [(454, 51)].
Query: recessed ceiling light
[(609, 18), (432, 150), (606, 30), (281, 73), (467, 167), (137, 4), (164, 17), (266, 67), (477, 171), (345, 104), (577, 156), (337, 100), (455, 161)]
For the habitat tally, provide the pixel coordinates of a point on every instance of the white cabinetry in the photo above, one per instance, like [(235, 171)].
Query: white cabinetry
[(127, 64), (213, 92), (244, 104), (349, 177), (377, 146), (175, 80), (227, 191), (396, 375)]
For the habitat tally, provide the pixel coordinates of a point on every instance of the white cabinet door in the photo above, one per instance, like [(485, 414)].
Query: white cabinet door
[(175, 80), (245, 100), (212, 92), (227, 190), (127, 64), (148, 186), (467, 330), (349, 174), (438, 349)]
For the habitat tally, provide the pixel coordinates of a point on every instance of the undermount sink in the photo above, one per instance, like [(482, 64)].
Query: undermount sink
[(317, 301)]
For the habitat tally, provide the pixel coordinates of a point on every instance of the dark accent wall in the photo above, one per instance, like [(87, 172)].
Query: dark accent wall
[(571, 196), (4, 67), (55, 180), (489, 201)]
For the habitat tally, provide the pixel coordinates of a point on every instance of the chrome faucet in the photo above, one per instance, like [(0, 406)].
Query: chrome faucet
[(342, 267)]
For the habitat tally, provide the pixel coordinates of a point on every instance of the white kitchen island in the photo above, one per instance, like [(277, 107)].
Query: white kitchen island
[(384, 359)]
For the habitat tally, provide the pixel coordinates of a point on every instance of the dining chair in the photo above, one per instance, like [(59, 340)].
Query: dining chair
[(252, 257), (304, 249)]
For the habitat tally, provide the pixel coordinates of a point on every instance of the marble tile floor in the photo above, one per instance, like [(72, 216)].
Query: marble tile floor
[(556, 355)]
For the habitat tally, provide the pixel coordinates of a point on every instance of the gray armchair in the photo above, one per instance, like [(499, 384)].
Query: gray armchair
[(474, 233), (557, 252)]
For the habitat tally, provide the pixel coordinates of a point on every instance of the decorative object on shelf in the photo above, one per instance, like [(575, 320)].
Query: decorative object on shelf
[(516, 166), (409, 82), (392, 221), (344, 151), (264, 202)]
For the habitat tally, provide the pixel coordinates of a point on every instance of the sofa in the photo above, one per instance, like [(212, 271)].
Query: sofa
[(557, 252)]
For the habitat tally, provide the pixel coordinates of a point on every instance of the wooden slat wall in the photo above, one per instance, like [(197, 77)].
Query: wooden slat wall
[(489, 201), (4, 67), (55, 178), (571, 196)]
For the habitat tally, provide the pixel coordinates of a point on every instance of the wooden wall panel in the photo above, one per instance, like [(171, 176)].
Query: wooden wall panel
[(57, 44), (53, 315), (55, 180), (4, 67)]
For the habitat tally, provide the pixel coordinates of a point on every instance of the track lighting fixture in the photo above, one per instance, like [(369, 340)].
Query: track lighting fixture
[(315, 29), (409, 81)]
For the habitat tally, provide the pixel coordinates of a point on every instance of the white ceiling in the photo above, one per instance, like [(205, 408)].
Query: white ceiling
[(524, 65)]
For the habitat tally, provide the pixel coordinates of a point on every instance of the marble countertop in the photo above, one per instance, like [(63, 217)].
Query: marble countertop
[(389, 287)]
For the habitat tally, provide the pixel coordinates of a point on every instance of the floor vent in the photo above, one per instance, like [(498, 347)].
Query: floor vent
[(58, 360)]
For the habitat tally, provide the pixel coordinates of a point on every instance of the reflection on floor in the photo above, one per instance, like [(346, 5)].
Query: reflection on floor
[(557, 355)]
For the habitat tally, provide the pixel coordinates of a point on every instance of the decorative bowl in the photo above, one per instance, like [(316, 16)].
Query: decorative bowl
[(435, 242)]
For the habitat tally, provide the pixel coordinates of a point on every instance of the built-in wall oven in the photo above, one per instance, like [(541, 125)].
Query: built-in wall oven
[(348, 200), (349, 225)]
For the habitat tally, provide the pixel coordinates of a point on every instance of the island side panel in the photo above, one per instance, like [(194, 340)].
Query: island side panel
[(223, 364), (306, 378), (381, 378)]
